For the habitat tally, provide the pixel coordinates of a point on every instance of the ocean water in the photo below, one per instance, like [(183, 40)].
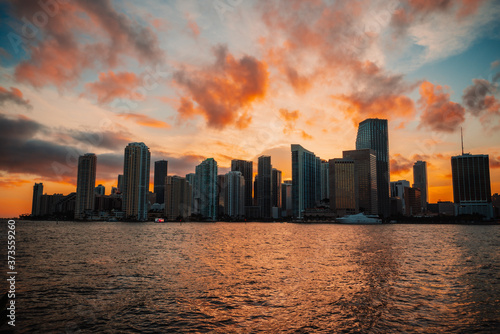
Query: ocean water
[(255, 277)]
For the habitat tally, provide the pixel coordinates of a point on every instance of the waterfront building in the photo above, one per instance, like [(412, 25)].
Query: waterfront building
[(398, 190), (306, 180), (136, 170), (286, 198), (412, 201), (37, 196), (246, 169), (343, 187), (178, 195), (373, 134), (420, 181), (100, 190), (161, 171), (325, 184), (234, 205), (85, 186), (206, 189), (264, 188), (471, 184), (276, 188)]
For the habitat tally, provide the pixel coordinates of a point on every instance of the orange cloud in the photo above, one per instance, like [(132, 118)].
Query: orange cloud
[(81, 35), (13, 96), (289, 116), (438, 112), (112, 86), (222, 91), (400, 165), (494, 162), (145, 120), (193, 26)]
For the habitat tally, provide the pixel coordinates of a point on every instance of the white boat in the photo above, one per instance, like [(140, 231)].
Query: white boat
[(360, 218)]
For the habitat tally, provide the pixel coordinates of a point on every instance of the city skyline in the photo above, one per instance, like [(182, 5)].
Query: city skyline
[(196, 81)]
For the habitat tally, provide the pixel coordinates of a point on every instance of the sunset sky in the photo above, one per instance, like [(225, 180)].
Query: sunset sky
[(233, 79)]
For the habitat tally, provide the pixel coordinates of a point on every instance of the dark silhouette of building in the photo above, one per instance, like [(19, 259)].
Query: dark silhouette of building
[(37, 196), (343, 187), (85, 186), (161, 170), (264, 188), (413, 201), (246, 169), (373, 133), (306, 180), (420, 181), (136, 170), (471, 184)]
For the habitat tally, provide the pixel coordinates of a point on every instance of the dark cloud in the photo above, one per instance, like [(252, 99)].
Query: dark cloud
[(105, 139), (13, 96)]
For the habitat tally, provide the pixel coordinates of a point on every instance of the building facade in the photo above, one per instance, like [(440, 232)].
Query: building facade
[(235, 194), (286, 199), (471, 184), (178, 195), (264, 186), (246, 169), (136, 170), (373, 133), (306, 180), (365, 165), (85, 186), (161, 171), (37, 197), (343, 187), (206, 189), (420, 181), (325, 184)]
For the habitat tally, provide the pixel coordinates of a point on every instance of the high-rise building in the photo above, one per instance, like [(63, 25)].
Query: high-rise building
[(471, 184), (373, 133), (85, 186), (343, 187), (234, 205), (398, 190), (178, 195), (120, 183), (221, 194), (306, 180), (246, 169), (286, 199), (136, 170), (365, 165), (161, 169), (413, 201), (420, 181), (264, 188), (37, 197), (191, 178), (206, 193), (256, 191), (325, 184), (100, 190), (276, 188)]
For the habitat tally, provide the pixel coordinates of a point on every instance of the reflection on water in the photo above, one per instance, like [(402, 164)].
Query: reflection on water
[(119, 277)]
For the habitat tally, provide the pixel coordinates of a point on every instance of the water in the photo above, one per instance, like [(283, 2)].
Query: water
[(256, 277)]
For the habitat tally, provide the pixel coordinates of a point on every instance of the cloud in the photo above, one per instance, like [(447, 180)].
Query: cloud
[(376, 93), (494, 162), (14, 96), (79, 35), (438, 112), (223, 91), (145, 120), (106, 139), (400, 165), (479, 100), (112, 86), (290, 118)]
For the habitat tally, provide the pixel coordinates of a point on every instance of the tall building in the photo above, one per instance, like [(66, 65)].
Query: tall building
[(306, 180), (246, 169), (343, 187), (178, 195), (161, 169), (365, 165), (234, 205), (100, 190), (85, 186), (420, 181), (264, 188), (256, 191), (37, 197), (206, 193), (398, 190), (471, 184), (276, 188), (325, 184), (286, 199), (120, 183), (413, 201), (373, 133), (191, 178), (136, 170), (221, 194)]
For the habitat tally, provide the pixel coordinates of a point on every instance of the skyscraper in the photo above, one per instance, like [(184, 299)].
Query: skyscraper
[(365, 165), (37, 197), (420, 181), (306, 180), (85, 186), (264, 188), (373, 133), (136, 170), (471, 184), (234, 204), (398, 189), (100, 190), (276, 188), (325, 184), (286, 199), (161, 169), (343, 187), (246, 169), (178, 194), (120, 183), (206, 182)]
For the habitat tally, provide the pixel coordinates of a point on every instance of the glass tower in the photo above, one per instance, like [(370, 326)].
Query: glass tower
[(85, 185), (206, 192), (161, 168), (373, 133), (246, 169), (306, 180), (136, 169), (420, 181)]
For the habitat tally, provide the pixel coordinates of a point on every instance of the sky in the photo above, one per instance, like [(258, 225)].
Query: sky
[(233, 79)]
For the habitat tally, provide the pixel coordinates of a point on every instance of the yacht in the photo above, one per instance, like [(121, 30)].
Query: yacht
[(360, 218)]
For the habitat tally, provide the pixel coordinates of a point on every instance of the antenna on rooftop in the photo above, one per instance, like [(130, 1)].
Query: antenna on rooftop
[(462, 137)]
